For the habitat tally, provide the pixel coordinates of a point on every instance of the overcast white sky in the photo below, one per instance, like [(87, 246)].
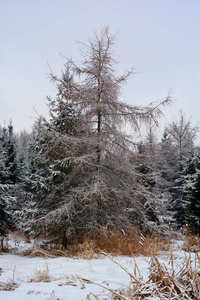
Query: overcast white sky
[(160, 38)]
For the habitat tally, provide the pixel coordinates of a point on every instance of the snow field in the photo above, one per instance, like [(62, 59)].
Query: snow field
[(66, 273), (71, 278)]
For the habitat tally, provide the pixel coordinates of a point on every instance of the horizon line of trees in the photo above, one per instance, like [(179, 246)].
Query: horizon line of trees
[(79, 171)]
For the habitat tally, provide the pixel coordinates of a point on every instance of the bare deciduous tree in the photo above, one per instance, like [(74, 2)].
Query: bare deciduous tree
[(182, 135), (99, 181)]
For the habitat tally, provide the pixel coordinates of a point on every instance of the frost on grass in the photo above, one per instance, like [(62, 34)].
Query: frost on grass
[(163, 283), (8, 286), (41, 275)]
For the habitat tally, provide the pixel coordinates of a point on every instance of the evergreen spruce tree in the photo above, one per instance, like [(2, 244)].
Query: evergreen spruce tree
[(176, 146), (8, 179), (192, 191)]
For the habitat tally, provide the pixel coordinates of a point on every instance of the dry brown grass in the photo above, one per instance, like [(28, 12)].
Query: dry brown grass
[(177, 283), (163, 283), (86, 250), (50, 253), (191, 243), (41, 275), (53, 296), (8, 286), (117, 243)]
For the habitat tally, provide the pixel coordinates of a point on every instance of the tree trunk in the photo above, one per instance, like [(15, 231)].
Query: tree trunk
[(65, 240), (2, 246), (98, 146)]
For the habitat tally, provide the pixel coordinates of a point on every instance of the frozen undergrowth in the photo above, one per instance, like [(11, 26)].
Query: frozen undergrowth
[(40, 278)]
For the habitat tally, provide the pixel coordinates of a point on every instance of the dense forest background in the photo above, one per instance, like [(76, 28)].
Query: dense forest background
[(80, 171)]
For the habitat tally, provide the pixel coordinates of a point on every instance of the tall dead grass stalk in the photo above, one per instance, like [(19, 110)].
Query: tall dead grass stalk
[(117, 243), (41, 275), (163, 283)]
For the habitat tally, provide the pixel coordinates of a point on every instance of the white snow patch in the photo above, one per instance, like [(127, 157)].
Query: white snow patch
[(67, 274)]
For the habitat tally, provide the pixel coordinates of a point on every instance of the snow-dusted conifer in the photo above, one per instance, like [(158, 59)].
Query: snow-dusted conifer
[(9, 172), (176, 146), (191, 188)]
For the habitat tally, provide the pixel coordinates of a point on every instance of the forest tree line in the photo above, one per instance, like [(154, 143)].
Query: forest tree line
[(79, 171)]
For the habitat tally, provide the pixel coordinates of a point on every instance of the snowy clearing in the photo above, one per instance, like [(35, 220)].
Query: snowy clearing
[(74, 278), (65, 274)]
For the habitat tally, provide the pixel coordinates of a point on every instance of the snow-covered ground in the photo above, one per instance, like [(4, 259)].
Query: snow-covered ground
[(71, 278), (67, 274)]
